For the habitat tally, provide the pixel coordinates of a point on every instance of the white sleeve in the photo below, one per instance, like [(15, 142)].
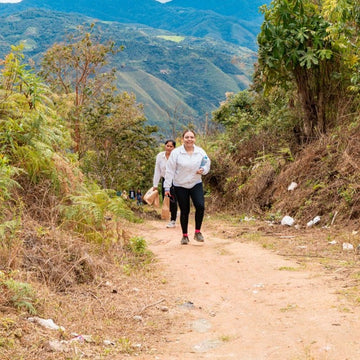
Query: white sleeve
[(170, 170), (157, 171)]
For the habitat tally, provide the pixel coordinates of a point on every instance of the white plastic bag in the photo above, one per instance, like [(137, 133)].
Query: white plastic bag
[(287, 220)]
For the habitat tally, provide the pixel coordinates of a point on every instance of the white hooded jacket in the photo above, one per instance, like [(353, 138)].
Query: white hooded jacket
[(181, 168), (160, 167)]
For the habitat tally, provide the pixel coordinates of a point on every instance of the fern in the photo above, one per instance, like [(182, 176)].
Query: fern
[(87, 211), (7, 172), (118, 207), (30, 130), (87, 208), (22, 295)]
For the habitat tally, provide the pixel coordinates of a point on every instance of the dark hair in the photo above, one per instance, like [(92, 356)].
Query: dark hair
[(188, 130), (172, 141)]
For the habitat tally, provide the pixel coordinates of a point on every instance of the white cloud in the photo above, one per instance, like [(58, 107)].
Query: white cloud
[(10, 1), (163, 1)]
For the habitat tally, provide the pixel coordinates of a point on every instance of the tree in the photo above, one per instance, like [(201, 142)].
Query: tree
[(228, 114), (112, 140), (120, 144), (78, 68), (344, 17), (294, 46)]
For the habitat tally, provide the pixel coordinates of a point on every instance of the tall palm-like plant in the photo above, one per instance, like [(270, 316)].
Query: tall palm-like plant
[(294, 45)]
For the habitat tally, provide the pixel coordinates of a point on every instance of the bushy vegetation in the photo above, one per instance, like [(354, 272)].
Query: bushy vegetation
[(298, 122), (65, 151)]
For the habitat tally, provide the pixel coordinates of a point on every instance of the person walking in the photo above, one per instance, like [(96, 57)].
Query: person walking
[(132, 194), (138, 197), (184, 170), (159, 173)]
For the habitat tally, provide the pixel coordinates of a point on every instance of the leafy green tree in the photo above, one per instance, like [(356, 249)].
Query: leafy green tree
[(112, 140), (120, 144), (344, 17), (78, 67), (34, 159), (228, 113), (294, 46)]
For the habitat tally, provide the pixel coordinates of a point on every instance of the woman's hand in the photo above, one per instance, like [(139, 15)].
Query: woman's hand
[(167, 193), (200, 171)]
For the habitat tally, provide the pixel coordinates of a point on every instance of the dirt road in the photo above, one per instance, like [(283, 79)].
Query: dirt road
[(235, 300)]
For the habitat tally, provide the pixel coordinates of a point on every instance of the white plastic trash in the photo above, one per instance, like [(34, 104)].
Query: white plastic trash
[(292, 186), (314, 221), (347, 246), (47, 323), (287, 220)]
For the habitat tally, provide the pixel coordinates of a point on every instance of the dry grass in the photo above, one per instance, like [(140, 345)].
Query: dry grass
[(106, 310), (108, 293), (326, 171)]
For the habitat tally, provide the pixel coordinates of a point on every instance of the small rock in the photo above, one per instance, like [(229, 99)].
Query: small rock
[(187, 304), (57, 346)]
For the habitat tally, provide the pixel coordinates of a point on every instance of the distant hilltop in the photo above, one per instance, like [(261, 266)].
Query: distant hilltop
[(180, 57)]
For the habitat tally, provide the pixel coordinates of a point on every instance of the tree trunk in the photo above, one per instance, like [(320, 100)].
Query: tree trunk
[(308, 104)]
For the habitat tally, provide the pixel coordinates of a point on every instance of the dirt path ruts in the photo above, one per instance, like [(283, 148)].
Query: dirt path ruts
[(239, 301)]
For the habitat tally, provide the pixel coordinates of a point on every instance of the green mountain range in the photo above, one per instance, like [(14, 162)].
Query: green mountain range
[(178, 77), (236, 21)]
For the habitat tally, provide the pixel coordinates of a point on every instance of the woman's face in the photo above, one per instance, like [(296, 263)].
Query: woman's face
[(169, 147), (189, 138)]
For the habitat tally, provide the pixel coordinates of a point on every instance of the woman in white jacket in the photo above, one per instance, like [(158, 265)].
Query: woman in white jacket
[(159, 173), (184, 170)]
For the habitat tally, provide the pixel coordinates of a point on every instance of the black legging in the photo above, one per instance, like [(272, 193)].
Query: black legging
[(183, 196), (173, 201)]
